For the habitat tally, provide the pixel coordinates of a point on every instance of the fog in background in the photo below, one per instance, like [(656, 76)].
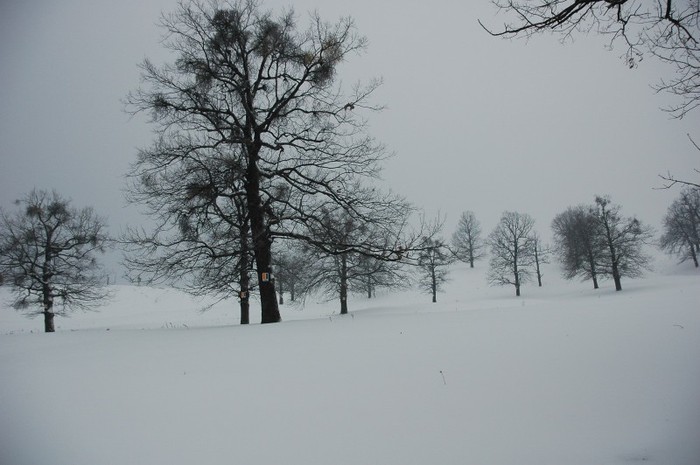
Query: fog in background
[(476, 122)]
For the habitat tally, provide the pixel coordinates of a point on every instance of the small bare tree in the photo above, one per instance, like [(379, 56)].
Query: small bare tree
[(512, 250), (577, 245), (48, 255), (542, 253), (338, 267), (467, 244), (433, 263), (293, 269), (622, 239)]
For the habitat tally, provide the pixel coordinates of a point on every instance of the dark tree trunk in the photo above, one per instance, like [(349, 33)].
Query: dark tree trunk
[(48, 314), (616, 277), (281, 292), (244, 298), (46, 291), (434, 285), (343, 285), (245, 309), (595, 281), (537, 268), (291, 292), (262, 243), (268, 300), (244, 276), (516, 275), (48, 322)]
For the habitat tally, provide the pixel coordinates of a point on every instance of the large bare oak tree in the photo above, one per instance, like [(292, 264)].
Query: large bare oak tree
[(262, 90)]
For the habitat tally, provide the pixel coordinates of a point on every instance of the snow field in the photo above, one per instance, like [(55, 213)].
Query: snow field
[(563, 375)]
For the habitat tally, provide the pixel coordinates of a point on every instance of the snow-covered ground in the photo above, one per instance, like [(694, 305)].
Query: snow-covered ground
[(564, 375)]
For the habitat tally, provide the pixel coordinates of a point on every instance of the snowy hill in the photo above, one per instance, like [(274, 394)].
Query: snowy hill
[(564, 375)]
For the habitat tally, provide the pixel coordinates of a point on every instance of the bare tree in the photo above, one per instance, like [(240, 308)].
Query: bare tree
[(381, 274), (542, 252), (338, 268), (681, 235), (512, 250), (48, 255), (668, 30), (577, 244), (467, 244), (622, 239), (264, 89), (433, 263), (201, 240), (292, 269)]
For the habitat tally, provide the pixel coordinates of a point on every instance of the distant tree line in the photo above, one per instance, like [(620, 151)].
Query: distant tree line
[(49, 251)]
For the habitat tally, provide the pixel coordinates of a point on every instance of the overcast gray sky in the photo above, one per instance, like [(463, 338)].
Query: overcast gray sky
[(476, 123)]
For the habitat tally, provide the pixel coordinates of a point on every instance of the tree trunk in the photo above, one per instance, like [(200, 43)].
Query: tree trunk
[(243, 275), (48, 322), (291, 292), (245, 309), (516, 275), (613, 253), (616, 277), (245, 292), (262, 243), (594, 275), (343, 285), (694, 255), (281, 293), (434, 284), (48, 315)]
